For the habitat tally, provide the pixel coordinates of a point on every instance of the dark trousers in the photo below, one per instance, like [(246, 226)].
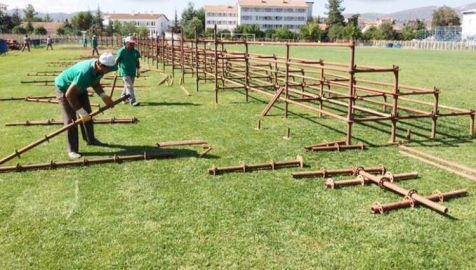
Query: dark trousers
[(25, 45), (95, 50), (69, 115), (49, 46)]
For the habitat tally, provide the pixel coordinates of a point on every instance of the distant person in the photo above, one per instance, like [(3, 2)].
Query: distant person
[(85, 42), (49, 43), (26, 43), (94, 45), (127, 59), (71, 90)]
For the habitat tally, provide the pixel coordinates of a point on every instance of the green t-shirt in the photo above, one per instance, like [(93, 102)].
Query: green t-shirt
[(127, 61), (82, 75), (94, 42)]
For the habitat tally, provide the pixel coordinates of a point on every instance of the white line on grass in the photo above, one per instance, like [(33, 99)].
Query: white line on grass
[(76, 199)]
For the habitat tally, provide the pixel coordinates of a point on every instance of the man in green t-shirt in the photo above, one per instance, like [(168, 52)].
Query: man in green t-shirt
[(94, 44), (85, 41), (71, 91), (127, 58)]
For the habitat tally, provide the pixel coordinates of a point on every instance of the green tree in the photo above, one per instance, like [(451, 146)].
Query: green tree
[(310, 32), (190, 27), (351, 32), (110, 28), (238, 29), (408, 33), (47, 18), (284, 33), (29, 13), (336, 32), (128, 28), (61, 31), (188, 13), (386, 32), (16, 19), (200, 14), (18, 30), (334, 13), (29, 27), (97, 21), (269, 33), (370, 34), (445, 16), (117, 25), (82, 21), (143, 31), (40, 31), (176, 26), (6, 23), (420, 25)]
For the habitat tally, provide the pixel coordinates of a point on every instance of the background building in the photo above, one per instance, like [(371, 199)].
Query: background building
[(469, 24), (155, 23), (225, 17), (3, 7), (268, 14)]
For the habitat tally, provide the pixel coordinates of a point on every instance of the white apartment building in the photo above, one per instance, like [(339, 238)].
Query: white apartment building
[(155, 23), (3, 7), (268, 14), (225, 17), (469, 25)]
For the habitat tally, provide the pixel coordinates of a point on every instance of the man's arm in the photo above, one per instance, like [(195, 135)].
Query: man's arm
[(138, 68), (71, 96), (100, 91)]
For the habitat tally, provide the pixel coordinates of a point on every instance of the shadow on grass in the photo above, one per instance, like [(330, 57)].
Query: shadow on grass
[(169, 104), (139, 149)]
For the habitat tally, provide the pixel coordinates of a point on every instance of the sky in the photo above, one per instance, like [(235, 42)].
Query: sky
[(167, 7)]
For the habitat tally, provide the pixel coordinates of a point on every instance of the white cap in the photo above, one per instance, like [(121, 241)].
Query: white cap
[(130, 40), (107, 59)]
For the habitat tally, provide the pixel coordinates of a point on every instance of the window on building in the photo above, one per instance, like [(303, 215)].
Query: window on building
[(289, 10)]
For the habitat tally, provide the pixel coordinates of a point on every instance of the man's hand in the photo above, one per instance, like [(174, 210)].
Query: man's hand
[(85, 117), (107, 100), (138, 73)]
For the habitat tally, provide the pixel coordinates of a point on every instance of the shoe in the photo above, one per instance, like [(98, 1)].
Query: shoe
[(96, 142), (135, 103), (123, 102), (74, 155)]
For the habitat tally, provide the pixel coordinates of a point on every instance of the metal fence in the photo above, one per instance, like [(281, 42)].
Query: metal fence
[(422, 44)]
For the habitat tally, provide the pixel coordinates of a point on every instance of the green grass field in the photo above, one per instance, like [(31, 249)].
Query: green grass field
[(172, 214)]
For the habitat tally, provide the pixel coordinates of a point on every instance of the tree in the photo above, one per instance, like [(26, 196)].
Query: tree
[(336, 32), (110, 28), (128, 28), (40, 31), (420, 25), (82, 21), (47, 18), (117, 26), (200, 14), (191, 26), (370, 34), (253, 29), (269, 33), (353, 20), (334, 14), (97, 22), (176, 27), (143, 31), (351, 32), (284, 33), (238, 29), (29, 27), (6, 23), (16, 19), (445, 16), (61, 31), (408, 33), (18, 30), (29, 13), (188, 13), (385, 31), (310, 32)]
